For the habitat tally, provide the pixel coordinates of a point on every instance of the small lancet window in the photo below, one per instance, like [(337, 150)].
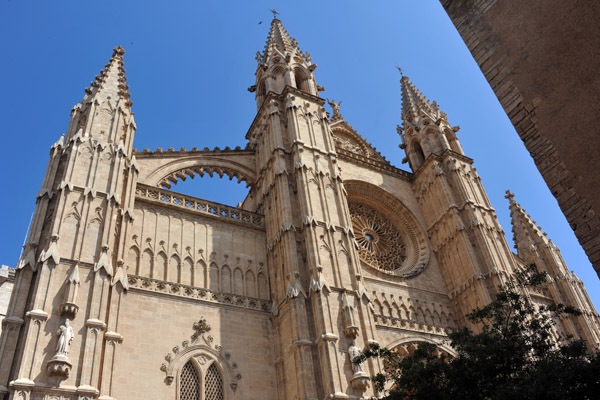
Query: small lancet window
[(190, 383), (301, 80), (419, 155), (214, 384)]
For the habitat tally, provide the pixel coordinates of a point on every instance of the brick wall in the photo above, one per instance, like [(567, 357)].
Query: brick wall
[(541, 59)]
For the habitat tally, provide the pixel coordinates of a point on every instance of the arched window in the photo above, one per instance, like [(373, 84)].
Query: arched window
[(200, 383), (213, 387), (419, 156), (190, 383), (301, 80)]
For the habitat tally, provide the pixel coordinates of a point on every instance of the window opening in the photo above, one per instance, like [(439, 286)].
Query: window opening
[(190, 383), (214, 384)]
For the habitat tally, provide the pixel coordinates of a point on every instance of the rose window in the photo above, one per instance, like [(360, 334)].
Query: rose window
[(380, 243)]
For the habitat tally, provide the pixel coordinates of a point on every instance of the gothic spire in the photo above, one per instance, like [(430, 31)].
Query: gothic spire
[(284, 64), (279, 41), (528, 237), (413, 101), (111, 83)]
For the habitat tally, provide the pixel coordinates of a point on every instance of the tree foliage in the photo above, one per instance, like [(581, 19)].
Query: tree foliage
[(513, 355)]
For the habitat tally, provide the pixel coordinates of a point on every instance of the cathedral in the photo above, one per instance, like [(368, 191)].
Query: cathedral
[(129, 290)]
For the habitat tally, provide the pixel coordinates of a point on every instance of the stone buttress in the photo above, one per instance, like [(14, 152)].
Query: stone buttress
[(314, 267), (70, 277)]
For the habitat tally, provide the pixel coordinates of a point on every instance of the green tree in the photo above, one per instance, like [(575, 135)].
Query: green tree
[(514, 355)]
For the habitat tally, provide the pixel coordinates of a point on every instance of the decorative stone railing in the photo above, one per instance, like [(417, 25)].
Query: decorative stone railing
[(202, 206), (201, 294), (393, 322)]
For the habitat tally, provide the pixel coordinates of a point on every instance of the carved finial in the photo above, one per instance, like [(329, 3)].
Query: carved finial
[(510, 196), (202, 326), (118, 51)]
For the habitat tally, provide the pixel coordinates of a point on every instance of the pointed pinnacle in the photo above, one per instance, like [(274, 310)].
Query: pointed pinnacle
[(279, 40), (111, 81), (413, 101)]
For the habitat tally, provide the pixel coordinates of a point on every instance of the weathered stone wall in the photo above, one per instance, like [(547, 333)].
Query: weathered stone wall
[(178, 239), (7, 280), (541, 59), (154, 324)]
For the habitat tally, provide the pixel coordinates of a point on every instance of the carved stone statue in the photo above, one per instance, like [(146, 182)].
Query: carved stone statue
[(353, 352), (66, 336), (335, 106)]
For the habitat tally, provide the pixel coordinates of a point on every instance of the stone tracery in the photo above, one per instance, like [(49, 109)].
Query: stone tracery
[(387, 235), (380, 243)]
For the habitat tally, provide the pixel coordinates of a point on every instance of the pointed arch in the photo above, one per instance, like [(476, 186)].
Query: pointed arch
[(189, 382), (418, 156), (250, 284), (387, 309), (263, 286), (443, 319), (379, 306), (226, 279), (174, 272), (200, 276), (412, 314), (147, 264), (428, 317), (453, 141), (203, 374), (213, 384), (133, 260), (187, 271), (302, 80), (404, 312), (238, 281), (214, 277), (161, 266)]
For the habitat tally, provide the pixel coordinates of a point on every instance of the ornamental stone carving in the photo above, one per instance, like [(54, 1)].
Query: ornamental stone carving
[(201, 347), (380, 243), (59, 365), (360, 380), (387, 235)]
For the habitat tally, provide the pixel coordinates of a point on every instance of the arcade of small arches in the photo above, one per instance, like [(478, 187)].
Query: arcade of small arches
[(247, 280), (166, 169)]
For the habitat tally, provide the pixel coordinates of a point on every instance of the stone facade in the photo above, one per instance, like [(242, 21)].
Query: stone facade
[(7, 281), (128, 290), (541, 60)]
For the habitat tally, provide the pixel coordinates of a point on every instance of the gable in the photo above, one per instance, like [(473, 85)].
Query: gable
[(347, 139)]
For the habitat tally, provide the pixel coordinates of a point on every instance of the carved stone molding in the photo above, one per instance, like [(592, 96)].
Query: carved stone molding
[(232, 214), (59, 366), (202, 348), (200, 294), (393, 322)]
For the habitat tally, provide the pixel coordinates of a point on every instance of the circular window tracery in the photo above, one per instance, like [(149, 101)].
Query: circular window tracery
[(388, 237), (380, 243)]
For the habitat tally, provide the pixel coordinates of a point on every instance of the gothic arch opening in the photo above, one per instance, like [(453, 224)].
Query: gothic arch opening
[(418, 155), (453, 141), (301, 79), (201, 378)]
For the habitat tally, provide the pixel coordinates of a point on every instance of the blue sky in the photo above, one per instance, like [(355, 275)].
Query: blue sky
[(189, 64)]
